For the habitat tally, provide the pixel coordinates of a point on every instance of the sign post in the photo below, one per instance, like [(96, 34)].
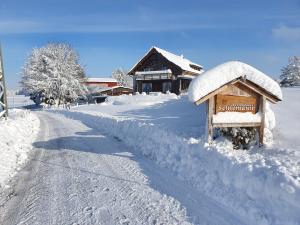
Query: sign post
[(3, 96), (237, 96)]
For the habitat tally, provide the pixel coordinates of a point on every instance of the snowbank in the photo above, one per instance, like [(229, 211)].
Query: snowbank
[(218, 76), (270, 123), (16, 134), (18, 101), (141, 99), (260, 186)]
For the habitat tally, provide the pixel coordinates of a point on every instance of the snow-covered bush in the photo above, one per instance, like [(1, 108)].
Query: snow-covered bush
[(241, 137), (38, 97), (290, 74), (53, 73)]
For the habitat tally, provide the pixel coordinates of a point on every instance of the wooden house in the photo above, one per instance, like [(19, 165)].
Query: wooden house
[(236, 95), (162, 71)]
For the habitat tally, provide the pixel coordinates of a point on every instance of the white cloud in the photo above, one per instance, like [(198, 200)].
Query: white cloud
[(98, 24), (18, 26), (286, 33)]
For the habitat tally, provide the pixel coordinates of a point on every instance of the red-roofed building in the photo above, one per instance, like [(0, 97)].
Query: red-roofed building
[(101, 82)]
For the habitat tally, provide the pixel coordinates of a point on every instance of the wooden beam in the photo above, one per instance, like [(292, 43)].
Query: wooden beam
[(3, 98), (249, 84), (213, 93), (210, 95), (210, 112), (262, 125), (260, 91), (179, 81)]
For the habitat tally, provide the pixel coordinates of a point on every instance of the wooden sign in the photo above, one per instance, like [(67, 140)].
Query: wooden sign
[(232, 103)]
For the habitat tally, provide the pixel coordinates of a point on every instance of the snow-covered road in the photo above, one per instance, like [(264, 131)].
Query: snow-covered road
[(80, 175)]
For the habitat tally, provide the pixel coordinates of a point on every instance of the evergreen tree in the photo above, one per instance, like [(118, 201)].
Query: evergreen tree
[(290, 74)]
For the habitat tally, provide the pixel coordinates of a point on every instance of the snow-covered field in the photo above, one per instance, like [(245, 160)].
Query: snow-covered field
[(261, 186), (18, 101), (101, 146), (17, 134)]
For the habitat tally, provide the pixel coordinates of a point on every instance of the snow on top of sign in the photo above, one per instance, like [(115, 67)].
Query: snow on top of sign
[(101, 79), (220, 75)]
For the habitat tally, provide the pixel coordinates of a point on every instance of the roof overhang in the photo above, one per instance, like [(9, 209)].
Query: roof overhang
[(244, 82), (159, 51)]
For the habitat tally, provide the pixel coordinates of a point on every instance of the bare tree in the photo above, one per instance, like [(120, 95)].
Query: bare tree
[(122, 77)]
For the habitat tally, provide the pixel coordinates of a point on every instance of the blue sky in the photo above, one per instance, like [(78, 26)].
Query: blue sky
[(116, 33)]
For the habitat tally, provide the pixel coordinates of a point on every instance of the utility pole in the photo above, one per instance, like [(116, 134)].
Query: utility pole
[(3, 96)]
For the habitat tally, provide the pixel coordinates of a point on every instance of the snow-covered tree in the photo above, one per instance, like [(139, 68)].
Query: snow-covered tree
[(290, 74), (53, 74), (122, 77)]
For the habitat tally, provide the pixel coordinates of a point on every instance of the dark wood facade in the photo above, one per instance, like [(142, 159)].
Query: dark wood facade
[(176, 80)]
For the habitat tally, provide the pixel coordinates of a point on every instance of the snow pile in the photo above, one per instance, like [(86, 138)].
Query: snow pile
[(261, 185), (16, 134), (214, 78), (18, 101), (286, 133), (141, 99), (270, 123)]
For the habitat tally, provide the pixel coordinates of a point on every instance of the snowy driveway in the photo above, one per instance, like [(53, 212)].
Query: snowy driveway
[(78, 175)]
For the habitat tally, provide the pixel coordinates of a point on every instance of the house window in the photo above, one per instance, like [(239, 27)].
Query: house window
[(166, 86), (147, 87), (185, 84)]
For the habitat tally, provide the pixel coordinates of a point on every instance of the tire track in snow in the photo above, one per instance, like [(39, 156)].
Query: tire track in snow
[(83, 177)]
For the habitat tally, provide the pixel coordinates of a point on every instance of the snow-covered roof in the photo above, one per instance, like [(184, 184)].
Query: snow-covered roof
[(115, 87), (180, 61), (101, 79), (222, 74), (102, 89)]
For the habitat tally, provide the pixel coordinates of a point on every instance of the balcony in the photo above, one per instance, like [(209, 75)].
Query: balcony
[(154, 75)]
